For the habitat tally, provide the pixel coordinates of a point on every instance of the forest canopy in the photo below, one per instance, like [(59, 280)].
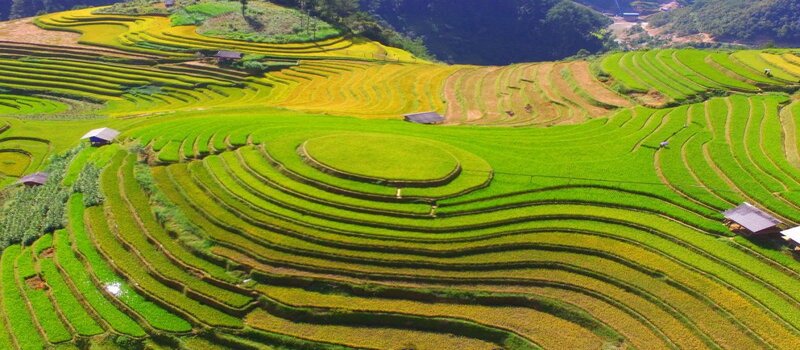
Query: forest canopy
[(737, 20), (496, 32)]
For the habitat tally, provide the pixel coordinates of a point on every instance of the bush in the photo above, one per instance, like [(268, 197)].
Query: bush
[(88, 183)]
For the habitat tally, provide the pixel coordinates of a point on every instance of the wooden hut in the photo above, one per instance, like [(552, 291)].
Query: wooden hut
[(749, 220), (424, 118), (102, 136), (35, 179)]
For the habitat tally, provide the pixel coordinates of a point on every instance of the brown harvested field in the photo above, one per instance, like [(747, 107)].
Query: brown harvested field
[(569, 93), (24, 31), (595, 89), (524, 94)]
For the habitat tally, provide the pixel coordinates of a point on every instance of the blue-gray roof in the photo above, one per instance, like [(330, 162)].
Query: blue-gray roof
[(425, 118), (751, 218), (228, 54), (106, 134), (35, 178)]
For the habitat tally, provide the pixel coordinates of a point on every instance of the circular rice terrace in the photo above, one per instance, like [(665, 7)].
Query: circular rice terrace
[(382, 159), (228, 224)]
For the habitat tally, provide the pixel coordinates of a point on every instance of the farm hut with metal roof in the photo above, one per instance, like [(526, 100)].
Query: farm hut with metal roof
[(747, 219), (631, 16), (226, 55), (792, 236), (424, 118), (35, 179), (102, 136), (169, 3)]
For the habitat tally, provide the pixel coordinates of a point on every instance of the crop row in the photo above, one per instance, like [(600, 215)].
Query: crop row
[(269, 254), (683, 74), (155, 35), (543, 94)]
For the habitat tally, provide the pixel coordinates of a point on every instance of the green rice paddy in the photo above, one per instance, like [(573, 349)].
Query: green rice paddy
[(295, 210)]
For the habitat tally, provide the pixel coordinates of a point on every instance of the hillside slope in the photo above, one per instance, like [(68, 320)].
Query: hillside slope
[(294, 209), (776, 21), (496, 32)]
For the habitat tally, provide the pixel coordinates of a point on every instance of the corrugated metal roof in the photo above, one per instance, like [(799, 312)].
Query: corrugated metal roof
[(751, 218), (35, 178), (107, 134), (793, 234), (228, 54), (424, 118)]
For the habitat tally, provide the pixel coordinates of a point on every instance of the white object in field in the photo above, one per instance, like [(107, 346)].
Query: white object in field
[(114, 288)]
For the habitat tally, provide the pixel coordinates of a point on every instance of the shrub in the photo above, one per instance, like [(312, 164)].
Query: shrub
[(88, 183)]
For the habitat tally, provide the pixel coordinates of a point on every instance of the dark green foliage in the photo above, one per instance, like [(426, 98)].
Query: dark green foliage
[(618, 6), (354, 16), (496, 32), (259, 67), (28, 8), (30, 212), (136, 7), (88, 183), (737, 20)]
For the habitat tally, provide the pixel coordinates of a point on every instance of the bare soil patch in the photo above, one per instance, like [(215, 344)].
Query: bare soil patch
[(47, 253), (24, 31), (36, 283)]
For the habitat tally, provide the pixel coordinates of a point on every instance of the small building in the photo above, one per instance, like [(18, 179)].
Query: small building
[(35, 179), (102, 136), (792, 236), (631, 16), (227, 56), (749, 220), (169, 3), (424, 118)]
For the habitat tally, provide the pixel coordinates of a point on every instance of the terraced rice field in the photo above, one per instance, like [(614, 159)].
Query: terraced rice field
[(524, 94), (294, 210), (667, 76), (154, 35)]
